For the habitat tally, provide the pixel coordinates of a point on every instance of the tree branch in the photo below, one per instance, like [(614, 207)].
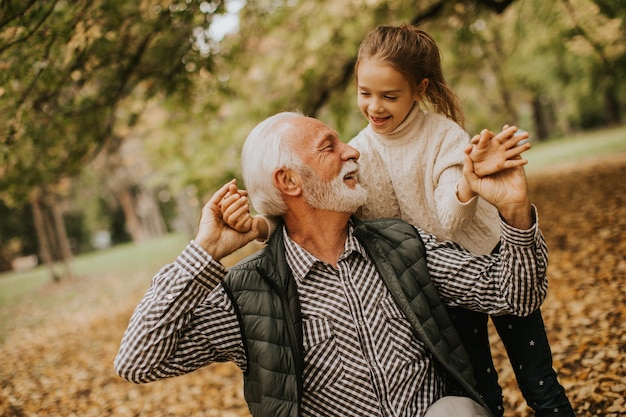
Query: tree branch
[(497, 6), (430, 13), (30, 33), (582, 32)]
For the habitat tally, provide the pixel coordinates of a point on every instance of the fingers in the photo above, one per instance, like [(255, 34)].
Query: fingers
[(517, 150), (512, 137), (232, 189), (236, 212), (219, 194), (513, 163), (468, 169), (506, 134), (483, 138)]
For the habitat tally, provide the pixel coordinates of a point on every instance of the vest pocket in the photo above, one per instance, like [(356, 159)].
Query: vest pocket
[(322, 362)]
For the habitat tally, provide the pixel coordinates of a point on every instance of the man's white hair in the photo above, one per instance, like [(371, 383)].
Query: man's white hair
[(265, 150)]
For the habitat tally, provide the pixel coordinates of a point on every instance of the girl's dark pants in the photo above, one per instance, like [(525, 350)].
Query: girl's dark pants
[(527, 346), (529, 352)]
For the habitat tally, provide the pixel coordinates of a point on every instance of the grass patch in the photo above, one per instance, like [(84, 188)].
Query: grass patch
[(128, 259), (576, 148)]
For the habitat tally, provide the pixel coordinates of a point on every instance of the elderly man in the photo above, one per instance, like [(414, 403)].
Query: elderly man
[(336, 316)]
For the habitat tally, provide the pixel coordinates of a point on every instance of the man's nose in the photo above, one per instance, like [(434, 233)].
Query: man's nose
[(350, 153)]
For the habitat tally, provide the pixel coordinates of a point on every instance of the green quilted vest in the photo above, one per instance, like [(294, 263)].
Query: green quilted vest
[(265, 297)]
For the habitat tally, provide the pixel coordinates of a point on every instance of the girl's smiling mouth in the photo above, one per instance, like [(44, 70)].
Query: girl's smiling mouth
[(379, 120)]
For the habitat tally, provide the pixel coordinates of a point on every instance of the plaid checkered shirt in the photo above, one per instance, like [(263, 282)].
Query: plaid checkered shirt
[(361, 357)]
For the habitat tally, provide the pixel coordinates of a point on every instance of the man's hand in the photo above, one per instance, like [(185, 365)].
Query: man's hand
[(492, 153), (507, 190), (214, 235)]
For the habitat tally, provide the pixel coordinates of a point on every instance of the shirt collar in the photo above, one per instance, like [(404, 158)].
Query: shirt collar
[(301, 261)]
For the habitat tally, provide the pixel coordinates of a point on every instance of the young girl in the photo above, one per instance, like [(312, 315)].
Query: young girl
[(411, 164)]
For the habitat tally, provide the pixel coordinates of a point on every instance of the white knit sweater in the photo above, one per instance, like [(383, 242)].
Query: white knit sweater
[(412, 173)]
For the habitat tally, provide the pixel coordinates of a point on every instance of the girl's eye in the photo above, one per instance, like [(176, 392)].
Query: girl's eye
[(364, 93), (391, 98)]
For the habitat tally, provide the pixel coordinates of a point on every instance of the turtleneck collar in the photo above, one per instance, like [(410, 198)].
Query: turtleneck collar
[(402, 134)]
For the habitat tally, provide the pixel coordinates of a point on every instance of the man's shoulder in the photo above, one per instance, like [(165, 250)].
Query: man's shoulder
[(385, 225), (390, 235), (251, 262)]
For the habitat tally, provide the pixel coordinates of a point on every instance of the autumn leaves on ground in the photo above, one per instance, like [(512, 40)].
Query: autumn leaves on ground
[(59, 363)]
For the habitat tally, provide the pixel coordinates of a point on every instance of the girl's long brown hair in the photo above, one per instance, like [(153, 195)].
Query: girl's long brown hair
[(413, 53)]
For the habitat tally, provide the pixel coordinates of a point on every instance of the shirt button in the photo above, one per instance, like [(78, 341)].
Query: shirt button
[(198, 265)]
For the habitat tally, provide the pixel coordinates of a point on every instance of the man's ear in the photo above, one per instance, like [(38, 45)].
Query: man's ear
[(287, 181)]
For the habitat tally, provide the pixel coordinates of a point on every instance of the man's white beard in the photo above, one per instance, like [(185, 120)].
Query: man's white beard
[(334, 195)]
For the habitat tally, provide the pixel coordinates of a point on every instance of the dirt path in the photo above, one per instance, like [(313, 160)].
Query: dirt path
[(64, 366)]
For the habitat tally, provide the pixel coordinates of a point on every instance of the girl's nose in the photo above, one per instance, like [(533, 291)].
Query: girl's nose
[(376, 106)]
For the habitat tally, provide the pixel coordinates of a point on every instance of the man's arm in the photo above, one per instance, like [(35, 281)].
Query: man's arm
[(185, 320), (512, 281)]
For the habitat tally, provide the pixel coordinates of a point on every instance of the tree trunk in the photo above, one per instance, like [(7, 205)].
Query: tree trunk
[(61, 236), (612, 107), (541, 127), (503, 83), (42, 236), (150, 215), (133, 223), (188, 208)]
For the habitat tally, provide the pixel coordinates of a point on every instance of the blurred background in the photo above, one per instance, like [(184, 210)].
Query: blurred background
[(118, 119)]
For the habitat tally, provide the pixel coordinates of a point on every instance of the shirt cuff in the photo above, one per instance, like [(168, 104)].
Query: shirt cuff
[(521, 237), (199, 264)]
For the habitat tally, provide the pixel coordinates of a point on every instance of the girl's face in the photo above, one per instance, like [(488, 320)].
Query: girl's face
[(385, 96)]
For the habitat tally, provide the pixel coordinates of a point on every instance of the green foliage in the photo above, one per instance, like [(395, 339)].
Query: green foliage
[(550, 60), (80, 78), (66, 69)]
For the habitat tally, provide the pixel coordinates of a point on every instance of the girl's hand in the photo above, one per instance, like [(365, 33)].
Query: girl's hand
[(214, 235), (491, 153), (236, 209)]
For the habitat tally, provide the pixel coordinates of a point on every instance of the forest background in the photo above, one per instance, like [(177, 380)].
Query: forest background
[(118, 118)]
